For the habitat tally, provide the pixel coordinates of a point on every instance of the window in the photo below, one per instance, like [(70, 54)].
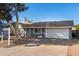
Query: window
[(37, 30)]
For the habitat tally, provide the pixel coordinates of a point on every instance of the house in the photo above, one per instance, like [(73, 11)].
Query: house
[(75, 32), (51, 29)]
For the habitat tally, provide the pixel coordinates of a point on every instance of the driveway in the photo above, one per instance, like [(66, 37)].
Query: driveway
[(37, 48), (76, 46), (42, 50)]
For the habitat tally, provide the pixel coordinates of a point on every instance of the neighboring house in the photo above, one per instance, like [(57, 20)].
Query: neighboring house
[(2, 27), (75, 32), (57, 29)]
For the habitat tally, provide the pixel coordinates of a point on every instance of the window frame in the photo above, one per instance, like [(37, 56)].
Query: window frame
[(37, 32)]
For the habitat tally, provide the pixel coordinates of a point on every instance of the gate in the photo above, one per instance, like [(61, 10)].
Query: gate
[(75, 33)]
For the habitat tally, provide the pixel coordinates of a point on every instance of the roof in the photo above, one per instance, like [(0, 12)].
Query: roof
[(49, 24), (27, 25)]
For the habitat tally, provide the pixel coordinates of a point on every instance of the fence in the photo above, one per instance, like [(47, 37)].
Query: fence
[(75, 33), (6, 33)]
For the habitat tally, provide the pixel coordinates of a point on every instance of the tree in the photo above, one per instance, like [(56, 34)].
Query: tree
[(8, 10), (18, 8), (77, 27)]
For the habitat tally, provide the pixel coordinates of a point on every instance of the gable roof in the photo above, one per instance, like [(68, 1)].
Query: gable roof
[(49, 24)]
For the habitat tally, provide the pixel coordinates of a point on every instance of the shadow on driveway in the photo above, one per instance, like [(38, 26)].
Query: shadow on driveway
[(38, 42)]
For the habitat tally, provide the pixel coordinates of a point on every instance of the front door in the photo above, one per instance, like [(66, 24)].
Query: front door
[(28, 32)]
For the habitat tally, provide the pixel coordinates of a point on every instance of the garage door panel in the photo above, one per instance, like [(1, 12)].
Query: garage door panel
[(57, 33)]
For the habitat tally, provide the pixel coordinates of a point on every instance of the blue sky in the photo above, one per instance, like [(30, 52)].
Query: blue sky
[(51, 12)]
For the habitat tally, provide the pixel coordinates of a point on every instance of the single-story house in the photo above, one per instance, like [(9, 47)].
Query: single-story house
[(52, 29)]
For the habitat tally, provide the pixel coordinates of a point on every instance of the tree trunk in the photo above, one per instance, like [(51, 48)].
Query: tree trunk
[(12, 28), (17, 22)]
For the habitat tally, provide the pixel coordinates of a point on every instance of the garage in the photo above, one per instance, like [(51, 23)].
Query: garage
[(61, 33)]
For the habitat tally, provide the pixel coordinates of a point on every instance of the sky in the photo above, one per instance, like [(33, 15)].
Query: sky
[(38, 12)]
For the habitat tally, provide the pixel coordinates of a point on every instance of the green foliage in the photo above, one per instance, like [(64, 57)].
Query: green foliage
[(7, 10), (77, 26)]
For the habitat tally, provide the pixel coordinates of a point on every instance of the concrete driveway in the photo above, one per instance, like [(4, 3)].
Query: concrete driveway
[(44, 49), (50, 50)]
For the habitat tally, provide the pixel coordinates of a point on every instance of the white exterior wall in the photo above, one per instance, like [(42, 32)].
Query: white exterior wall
[(57, 33)]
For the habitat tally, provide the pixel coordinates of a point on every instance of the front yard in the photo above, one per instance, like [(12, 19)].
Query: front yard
[(38, 47), (42, 50)]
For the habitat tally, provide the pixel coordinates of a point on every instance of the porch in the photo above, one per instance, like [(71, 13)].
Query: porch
[(34, 32)]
